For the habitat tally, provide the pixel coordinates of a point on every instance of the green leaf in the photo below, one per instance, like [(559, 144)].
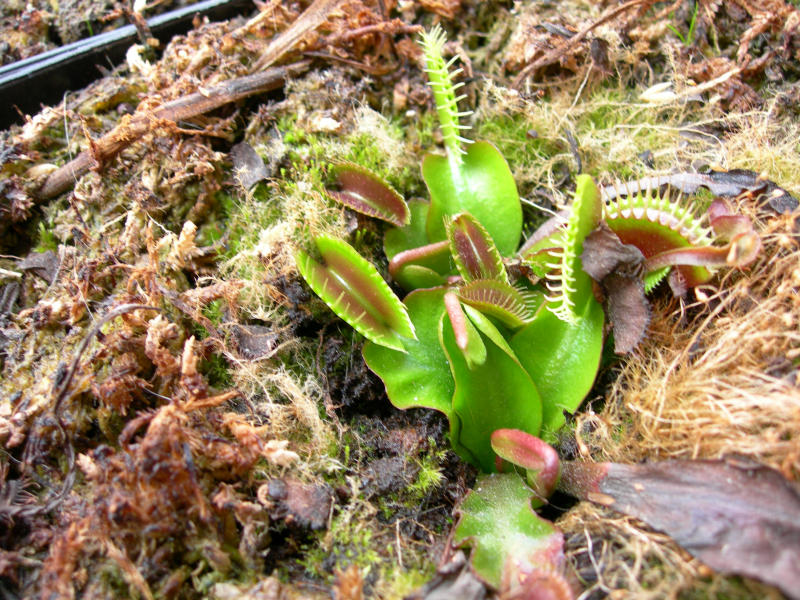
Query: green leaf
[(498, 394), (413, 235), (480, 184), (510, 542), (440, 79), (562, 358), (363, 191), (417, 277), (500, 300), (473, 250), (356, 292), (420, 376), (426, 258), (402, 239)]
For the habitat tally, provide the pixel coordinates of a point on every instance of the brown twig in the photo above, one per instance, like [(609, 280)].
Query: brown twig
[(556, 54), (134, 127), (392, 27)]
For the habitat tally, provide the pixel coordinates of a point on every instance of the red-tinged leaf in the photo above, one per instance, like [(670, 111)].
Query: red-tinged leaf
[(724, 222), (363, 191), (355, 291), (474, 251), (536, 456), (655, 224), (467, 338), (501, 300), (429, 256), (734, 515), (739, 252)]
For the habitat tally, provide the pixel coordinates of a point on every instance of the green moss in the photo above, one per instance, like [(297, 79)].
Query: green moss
[(517, 139), (347, 542), (217, 370), (429, 476), (47, 238)]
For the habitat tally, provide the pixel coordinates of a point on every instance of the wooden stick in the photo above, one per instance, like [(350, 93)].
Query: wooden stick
[(133, 127)]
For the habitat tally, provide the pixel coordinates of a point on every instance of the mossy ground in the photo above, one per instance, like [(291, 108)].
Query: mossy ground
[(171, 493)]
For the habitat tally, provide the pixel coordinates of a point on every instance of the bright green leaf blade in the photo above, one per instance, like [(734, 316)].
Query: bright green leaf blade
[(419, 377), (473, 250), (417, 277), (509, 540), (363, 191), (355, 291), (498, 394), (489, 329), (562, 358), (413, 235), (480, 184)]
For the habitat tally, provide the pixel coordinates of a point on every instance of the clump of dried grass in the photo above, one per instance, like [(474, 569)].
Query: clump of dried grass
[(616, 558), (718, 376)]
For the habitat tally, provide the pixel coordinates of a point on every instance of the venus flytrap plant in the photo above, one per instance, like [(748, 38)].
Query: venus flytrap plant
[(494, 351), (475, 179)]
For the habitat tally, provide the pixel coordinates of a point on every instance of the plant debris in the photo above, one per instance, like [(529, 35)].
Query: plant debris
[(248, 166), (735, 515), (731, 184), (297, 503)]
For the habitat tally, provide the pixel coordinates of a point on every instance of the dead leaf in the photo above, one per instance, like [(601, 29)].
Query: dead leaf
[(628, 310), (720, 183), (348, 585), (446, 8), (604, 253), (41, 264), (388, 474), (617, 267), (296, 502), (735, 515), (454, 579), (248, 166), (254, 341)]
